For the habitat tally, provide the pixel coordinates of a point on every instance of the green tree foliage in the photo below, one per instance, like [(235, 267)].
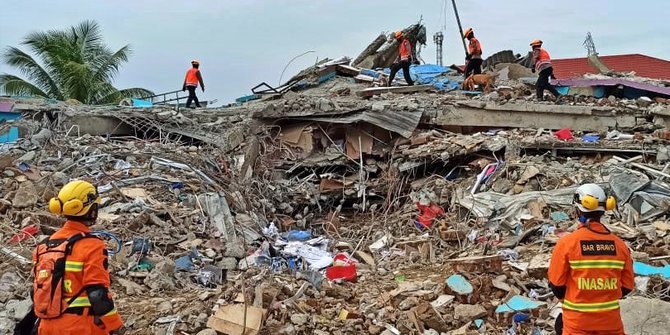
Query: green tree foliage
[(68, 64)]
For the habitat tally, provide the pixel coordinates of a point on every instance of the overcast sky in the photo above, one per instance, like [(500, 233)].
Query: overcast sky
[(242, 43)]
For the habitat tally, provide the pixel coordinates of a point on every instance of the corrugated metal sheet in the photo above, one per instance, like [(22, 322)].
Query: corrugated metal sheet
[(400, 122), (642, 65)]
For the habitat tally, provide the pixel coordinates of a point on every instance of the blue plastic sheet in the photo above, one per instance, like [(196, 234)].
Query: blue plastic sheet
[(459, 284), (429, 74), (298, 235), (643, 269), (142, 103), (184, 263), (11, 136), (559, 216), (591, 138), (371, 73), (518, 303)]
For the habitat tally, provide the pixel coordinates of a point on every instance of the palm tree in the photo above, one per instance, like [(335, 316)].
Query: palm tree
[(69, 64)]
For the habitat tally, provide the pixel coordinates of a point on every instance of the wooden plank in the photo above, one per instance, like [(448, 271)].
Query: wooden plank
[(347, 70), (368, 92), (229, 320)]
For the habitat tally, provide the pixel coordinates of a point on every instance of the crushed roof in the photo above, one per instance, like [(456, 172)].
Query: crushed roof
[(642, 65)]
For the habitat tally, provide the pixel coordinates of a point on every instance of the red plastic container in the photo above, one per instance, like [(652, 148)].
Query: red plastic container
[(344, 268), (347, 273)]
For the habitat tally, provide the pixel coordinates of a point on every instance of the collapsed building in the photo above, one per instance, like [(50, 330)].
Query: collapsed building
[(297, 210)]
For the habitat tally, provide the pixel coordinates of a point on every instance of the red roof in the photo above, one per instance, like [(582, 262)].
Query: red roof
[(642, 65)]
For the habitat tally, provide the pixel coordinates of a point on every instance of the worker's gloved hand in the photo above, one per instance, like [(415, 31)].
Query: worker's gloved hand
[(532, 70)]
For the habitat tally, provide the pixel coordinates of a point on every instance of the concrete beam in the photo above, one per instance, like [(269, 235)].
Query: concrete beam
[(532, 116), (368, 92), (99, 125)]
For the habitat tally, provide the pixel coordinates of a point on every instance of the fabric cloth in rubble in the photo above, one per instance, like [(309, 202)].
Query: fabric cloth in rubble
[(428, 214)]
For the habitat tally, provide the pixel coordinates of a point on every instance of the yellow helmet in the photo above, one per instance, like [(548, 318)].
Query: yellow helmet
[(467, 32), (75, 199)]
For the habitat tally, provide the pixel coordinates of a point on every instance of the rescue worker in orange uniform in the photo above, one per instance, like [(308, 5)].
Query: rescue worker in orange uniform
[(74, 300), (193, 77), (542, 65), (404, 59), (590, 270), (474, 56)]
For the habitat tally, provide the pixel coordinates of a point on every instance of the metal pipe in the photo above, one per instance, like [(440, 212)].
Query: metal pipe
[(289, 63), (460, 28)]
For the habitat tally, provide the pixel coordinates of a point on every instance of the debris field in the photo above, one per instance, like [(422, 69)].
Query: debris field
[(337, 205)]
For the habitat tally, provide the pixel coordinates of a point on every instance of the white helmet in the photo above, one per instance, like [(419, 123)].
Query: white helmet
[(592, 198)]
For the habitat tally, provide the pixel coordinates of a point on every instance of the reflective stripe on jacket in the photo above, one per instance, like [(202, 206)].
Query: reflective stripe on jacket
[(192, 77), (593, 266), (541, 59), (475, 48), (405, 49)]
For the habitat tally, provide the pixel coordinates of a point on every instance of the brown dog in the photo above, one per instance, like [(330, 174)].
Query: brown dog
[(484, 80)]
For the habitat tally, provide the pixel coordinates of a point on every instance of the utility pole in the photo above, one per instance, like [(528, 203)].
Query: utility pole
[(460, 28), (438, 38)]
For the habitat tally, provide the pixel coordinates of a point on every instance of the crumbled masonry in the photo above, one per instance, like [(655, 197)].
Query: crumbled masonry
[(295, 212)]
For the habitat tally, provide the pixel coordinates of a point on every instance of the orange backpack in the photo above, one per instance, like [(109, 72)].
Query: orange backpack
[(49, 274)]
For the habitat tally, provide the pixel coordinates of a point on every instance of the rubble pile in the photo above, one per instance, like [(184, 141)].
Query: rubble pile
[(338, 206)]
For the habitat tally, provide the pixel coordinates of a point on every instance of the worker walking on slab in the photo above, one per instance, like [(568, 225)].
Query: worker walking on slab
[(193, 77), (542, 65), (71, 271), (404, 59), (473, 59), (591, 269)]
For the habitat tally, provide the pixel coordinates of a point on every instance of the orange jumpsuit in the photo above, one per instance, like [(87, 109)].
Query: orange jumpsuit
[(595, 269), (87, 265)]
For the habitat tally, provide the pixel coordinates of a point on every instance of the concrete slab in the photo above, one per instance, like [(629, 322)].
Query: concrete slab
[(368, 92), (99, 125), (643, 316), (529, 115)]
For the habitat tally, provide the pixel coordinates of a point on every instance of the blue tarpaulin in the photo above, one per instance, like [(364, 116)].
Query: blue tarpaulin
[(643, 269), (8, 116), (459, 284), (10, 136), (518, 303), (430, 74), (142, 103)]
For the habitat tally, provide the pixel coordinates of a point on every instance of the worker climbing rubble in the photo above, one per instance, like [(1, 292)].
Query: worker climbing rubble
[(193, 77), (70, 269), (591, 269), (474, 56), (542, 65), (404, 59)]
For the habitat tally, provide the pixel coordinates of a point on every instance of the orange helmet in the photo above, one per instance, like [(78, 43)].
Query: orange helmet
[(536, 43), (195, 62), (467, 32), (397, 34)]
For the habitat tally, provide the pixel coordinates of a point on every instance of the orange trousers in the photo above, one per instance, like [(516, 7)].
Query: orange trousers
[(71, 324)]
